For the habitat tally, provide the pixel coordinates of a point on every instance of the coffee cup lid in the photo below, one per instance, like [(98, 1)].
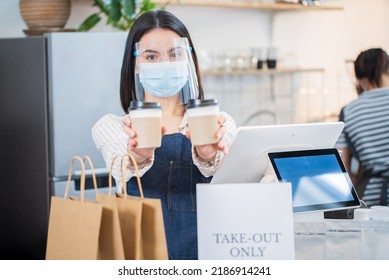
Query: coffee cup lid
[(136, 105), (195, 103)]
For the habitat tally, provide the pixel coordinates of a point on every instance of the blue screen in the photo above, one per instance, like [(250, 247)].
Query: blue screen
[(316, 179)]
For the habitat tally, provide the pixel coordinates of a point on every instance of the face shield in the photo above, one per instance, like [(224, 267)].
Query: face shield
[(163, 72)]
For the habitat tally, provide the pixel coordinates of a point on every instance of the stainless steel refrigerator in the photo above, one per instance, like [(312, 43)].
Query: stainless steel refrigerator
[(53, 88)]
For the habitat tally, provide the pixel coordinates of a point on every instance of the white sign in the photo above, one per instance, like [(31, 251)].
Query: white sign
[(245, 221)]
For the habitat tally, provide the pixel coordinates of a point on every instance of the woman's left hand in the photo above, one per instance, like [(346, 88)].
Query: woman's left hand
[(208, 152)]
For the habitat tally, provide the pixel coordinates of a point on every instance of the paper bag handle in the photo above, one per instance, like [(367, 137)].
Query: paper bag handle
[(90, 162), (110, 175), (82, 178), (131, 157), (122, 175)]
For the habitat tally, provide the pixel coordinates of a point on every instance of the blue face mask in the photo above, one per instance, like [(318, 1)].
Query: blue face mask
[(163, 79)]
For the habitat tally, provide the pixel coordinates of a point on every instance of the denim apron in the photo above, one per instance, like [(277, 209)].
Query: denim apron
[(173, 178)]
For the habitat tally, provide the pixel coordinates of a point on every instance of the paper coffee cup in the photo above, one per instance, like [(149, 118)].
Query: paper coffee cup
[(146, 121), (203, 123)]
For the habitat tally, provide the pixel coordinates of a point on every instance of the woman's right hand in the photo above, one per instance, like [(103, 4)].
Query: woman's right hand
[(141, 154)]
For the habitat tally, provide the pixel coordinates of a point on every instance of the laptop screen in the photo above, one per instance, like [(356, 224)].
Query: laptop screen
[(319, 179)]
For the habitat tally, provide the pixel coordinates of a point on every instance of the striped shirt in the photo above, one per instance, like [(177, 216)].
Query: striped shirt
[(366, 135), (109, 137)]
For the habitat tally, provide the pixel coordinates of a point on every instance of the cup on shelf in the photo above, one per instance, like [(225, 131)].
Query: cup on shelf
[(258, 57), (271, 60), (231, 60), (244, 59)]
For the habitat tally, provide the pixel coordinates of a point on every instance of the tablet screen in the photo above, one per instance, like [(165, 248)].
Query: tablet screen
[(319, 179)]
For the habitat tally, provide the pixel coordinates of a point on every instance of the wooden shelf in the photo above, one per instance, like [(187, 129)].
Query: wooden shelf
[(258, 71), (247, 5)]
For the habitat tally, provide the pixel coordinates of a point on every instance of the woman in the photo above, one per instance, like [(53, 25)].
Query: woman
[(171, 171), (366, 132)]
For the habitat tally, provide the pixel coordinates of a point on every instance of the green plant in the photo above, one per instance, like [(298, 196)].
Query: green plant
[(121, 14)]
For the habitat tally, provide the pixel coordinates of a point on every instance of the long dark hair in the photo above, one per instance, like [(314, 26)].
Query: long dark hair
[(372, 64), (145, 23)]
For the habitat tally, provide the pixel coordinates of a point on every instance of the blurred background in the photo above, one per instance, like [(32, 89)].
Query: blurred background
[(312, 80)]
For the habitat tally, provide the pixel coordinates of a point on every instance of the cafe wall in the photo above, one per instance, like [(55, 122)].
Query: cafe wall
[(318, 43)]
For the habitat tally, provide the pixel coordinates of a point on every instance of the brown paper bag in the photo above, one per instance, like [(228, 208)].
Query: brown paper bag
[(149, 236), (153, 231), (80, 229), (74, 225), (130, 217), (110, 239), (153, 238)]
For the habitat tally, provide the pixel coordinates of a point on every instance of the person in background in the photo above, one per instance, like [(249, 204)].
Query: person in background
[(171, 171), (366, 133)]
